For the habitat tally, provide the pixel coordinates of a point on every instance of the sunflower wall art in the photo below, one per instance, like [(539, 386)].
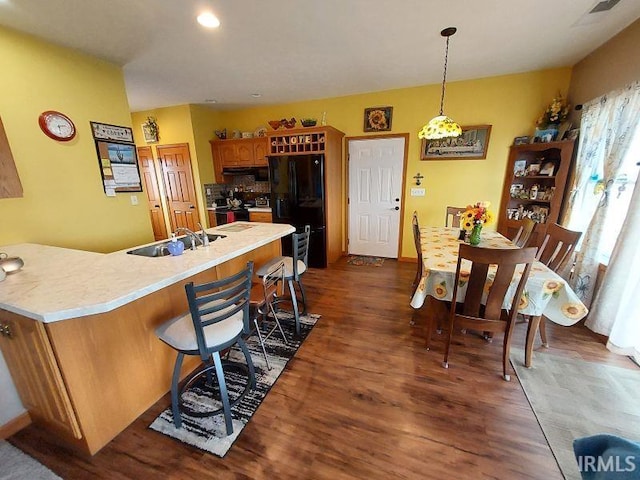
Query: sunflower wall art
[(377, 119)]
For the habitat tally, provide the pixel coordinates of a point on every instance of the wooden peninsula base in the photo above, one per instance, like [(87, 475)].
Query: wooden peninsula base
[(87, 378)]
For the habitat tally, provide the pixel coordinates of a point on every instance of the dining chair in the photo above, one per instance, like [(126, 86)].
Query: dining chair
[(416, 280), (264, 296), (454, 213), (524, 232), (555, 252), (294, 268), (218, 317), (486, 291)]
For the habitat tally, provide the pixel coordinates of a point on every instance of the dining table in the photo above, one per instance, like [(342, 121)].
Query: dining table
[(545, 293)]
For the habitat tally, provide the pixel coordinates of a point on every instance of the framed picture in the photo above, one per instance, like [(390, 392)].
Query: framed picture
[(533, 170), (521, 140), (519, 168), (149, 135), (118, 166), (105, 131), (471, 145), (378, 119), (548, 169)]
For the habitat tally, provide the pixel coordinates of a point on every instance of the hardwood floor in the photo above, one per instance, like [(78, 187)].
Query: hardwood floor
[(361, 399)]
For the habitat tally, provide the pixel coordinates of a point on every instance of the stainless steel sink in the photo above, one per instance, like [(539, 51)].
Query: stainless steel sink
[(160, 249)]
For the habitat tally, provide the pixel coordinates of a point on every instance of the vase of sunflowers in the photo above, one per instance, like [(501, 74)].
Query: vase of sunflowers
[(474, 218)]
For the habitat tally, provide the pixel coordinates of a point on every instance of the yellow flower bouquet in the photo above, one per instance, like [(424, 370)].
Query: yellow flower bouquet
[(556, 112), (478, 214)]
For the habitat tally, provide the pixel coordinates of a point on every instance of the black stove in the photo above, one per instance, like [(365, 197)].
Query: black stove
[(228, 215)]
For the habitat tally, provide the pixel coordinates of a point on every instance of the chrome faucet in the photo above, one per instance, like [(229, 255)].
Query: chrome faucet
[(203, 235), (192, 235)]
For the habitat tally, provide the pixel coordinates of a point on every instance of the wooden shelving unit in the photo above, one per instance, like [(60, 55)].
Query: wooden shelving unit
[(300, 140), (527, 193)]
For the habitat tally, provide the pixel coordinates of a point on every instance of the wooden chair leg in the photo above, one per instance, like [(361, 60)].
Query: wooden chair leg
[(543, 332), (534, 322)]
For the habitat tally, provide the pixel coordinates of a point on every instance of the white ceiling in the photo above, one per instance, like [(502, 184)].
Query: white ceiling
[(291, 50)]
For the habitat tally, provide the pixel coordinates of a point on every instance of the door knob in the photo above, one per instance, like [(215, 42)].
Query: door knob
[(397, 199), (396, 208)]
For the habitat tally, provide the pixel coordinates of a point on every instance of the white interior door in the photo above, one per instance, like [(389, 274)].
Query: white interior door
[(375, 188)]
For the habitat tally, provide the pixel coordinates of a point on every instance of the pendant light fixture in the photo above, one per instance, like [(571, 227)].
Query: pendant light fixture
[(442, 126)]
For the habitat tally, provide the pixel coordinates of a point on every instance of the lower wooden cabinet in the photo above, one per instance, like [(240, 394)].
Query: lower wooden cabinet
[(264, 217), (31, 361)]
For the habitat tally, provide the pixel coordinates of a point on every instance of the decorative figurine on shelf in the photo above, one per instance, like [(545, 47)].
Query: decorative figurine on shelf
[(221, 134)]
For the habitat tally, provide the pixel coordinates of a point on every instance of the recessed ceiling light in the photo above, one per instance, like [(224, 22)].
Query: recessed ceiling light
[(208, 20), (256, 95), (210, 100)]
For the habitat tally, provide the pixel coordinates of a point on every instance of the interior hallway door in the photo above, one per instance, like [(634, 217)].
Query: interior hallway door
[(376, 169), (179, 187), (152, 189)]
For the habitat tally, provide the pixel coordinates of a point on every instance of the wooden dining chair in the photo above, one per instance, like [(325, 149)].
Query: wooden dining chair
[(524, 232), (416, 241), (488, 315), (555, 252), (454, 213)]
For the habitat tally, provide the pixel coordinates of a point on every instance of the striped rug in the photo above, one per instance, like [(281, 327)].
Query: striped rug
[(209, 433)]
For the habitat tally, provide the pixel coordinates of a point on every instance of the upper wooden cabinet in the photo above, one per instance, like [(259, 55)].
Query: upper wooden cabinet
[(245, 152), (534, 186)]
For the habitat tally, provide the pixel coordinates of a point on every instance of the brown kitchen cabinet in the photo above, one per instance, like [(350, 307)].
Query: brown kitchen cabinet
[(243, 152), (534, 186), (34, 369), (264, 217)]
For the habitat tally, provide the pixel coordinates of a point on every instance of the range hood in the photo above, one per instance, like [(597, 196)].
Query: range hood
[(260, 173)]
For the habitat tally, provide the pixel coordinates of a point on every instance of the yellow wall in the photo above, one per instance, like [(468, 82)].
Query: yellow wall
[(190, 124), (64, 203), (511, 104)]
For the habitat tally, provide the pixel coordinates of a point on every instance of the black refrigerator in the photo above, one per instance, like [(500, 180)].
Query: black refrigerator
[(298, 198)]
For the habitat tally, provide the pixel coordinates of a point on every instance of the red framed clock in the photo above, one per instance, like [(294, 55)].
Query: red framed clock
[(57, 125)]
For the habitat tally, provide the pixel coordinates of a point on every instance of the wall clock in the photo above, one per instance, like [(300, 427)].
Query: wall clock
[(57, 125)]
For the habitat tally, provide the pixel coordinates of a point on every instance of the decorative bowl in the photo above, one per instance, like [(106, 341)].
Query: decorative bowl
[(308, 122), (275, 124), (288, 123), (10, 264)]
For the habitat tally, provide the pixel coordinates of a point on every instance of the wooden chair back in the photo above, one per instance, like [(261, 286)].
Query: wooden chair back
[(482, 308), (454, 213), (416, 240), (524, 232), (557, 246)]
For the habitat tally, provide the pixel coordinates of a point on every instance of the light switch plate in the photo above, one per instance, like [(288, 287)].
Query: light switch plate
[(134, 200), (418, 192)]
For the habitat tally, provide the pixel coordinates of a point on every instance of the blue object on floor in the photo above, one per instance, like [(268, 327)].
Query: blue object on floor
[(607, 457)]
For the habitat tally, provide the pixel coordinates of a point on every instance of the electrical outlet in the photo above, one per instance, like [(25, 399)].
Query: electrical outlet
[(134, 200), (418, 192)]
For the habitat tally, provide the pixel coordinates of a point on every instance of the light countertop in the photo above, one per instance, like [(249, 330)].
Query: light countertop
[(249, 209), (60, 283)]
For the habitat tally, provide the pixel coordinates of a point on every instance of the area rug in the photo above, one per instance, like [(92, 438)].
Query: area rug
[(574, 398), (209, 433), (17, 465), (360, 260)]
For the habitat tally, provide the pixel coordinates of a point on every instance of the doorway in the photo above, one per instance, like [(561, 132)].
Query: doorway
[(376, 168), (154, 194), (178, 186)]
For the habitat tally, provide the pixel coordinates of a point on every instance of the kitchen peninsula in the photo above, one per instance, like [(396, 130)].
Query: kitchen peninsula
[(78, 327)]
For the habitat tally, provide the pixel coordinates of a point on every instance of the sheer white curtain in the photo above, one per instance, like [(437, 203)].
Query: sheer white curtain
[(598, 203)]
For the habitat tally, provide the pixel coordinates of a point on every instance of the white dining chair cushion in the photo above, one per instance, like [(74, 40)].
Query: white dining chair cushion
[(288, 267), (180, 334)]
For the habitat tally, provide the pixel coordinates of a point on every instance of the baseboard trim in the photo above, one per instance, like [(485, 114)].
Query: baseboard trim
[(408, 259), (15, 425)]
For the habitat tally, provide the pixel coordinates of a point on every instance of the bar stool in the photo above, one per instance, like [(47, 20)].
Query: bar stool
[(264, 296), (218, 316), (294, 268)]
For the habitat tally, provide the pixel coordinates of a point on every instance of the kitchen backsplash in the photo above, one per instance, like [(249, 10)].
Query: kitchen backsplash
[(247, 183)]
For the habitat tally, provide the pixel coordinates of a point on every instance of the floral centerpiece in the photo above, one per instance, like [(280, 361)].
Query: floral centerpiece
[(555, 113), (473, 218)]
